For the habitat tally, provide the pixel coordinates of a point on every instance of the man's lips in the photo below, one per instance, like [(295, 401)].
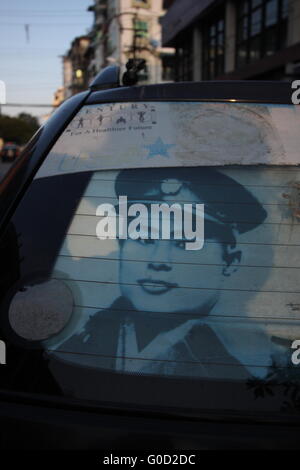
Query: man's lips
[(156, 287)]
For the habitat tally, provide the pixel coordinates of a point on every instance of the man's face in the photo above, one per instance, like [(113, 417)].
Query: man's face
[(162, 276)]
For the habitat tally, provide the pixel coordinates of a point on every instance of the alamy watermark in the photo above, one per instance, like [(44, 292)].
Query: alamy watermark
[(2, 92), (296, 354), (296, 94), (2, 352), (153, 221)]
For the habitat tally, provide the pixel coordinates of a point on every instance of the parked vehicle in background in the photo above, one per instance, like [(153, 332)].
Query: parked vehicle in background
[(10, 152)]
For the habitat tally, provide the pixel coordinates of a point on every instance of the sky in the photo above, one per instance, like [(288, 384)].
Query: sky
[(30, 62)]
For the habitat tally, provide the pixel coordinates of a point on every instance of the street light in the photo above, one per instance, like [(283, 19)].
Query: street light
[(79, 73)]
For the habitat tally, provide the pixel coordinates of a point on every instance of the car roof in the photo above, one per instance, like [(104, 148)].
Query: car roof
[(228, 91)]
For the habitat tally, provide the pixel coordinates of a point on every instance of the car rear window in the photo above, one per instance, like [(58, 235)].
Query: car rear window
[(158, 257)]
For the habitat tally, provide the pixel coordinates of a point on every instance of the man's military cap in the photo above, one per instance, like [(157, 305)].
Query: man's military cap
[(226, 202)]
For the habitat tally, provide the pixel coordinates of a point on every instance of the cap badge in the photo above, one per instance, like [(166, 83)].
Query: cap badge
[(171, 186)]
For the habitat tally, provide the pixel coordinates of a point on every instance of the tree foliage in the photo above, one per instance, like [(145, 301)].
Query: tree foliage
[(18, 129)]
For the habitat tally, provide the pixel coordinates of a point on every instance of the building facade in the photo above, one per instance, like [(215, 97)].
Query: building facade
[(125, 29), (75, 66), (233, 39)]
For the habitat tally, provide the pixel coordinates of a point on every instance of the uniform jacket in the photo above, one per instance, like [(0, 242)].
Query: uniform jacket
[(125, 340)]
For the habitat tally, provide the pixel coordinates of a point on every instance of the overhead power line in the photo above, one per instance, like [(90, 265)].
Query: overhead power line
[(56, 12), (27, 105), (26, 49), (21, 15), (45, 24)]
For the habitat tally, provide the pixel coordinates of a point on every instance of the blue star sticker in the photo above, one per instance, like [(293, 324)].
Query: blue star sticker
[(158, 148)]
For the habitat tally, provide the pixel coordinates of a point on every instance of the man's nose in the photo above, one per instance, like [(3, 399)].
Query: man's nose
[(160, 258), (159, 267)]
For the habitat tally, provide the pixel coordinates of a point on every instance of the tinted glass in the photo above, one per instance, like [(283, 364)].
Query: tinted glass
[(167, 314)]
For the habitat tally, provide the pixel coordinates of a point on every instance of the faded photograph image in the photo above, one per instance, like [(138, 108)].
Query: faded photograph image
[(178, 312)]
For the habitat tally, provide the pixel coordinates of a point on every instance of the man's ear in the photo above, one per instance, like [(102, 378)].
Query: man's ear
[(233, 258)]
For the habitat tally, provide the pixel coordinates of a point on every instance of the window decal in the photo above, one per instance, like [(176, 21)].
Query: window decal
[(133, 135)]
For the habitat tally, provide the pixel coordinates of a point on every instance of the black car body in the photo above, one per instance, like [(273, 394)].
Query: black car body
[(51, 399)]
